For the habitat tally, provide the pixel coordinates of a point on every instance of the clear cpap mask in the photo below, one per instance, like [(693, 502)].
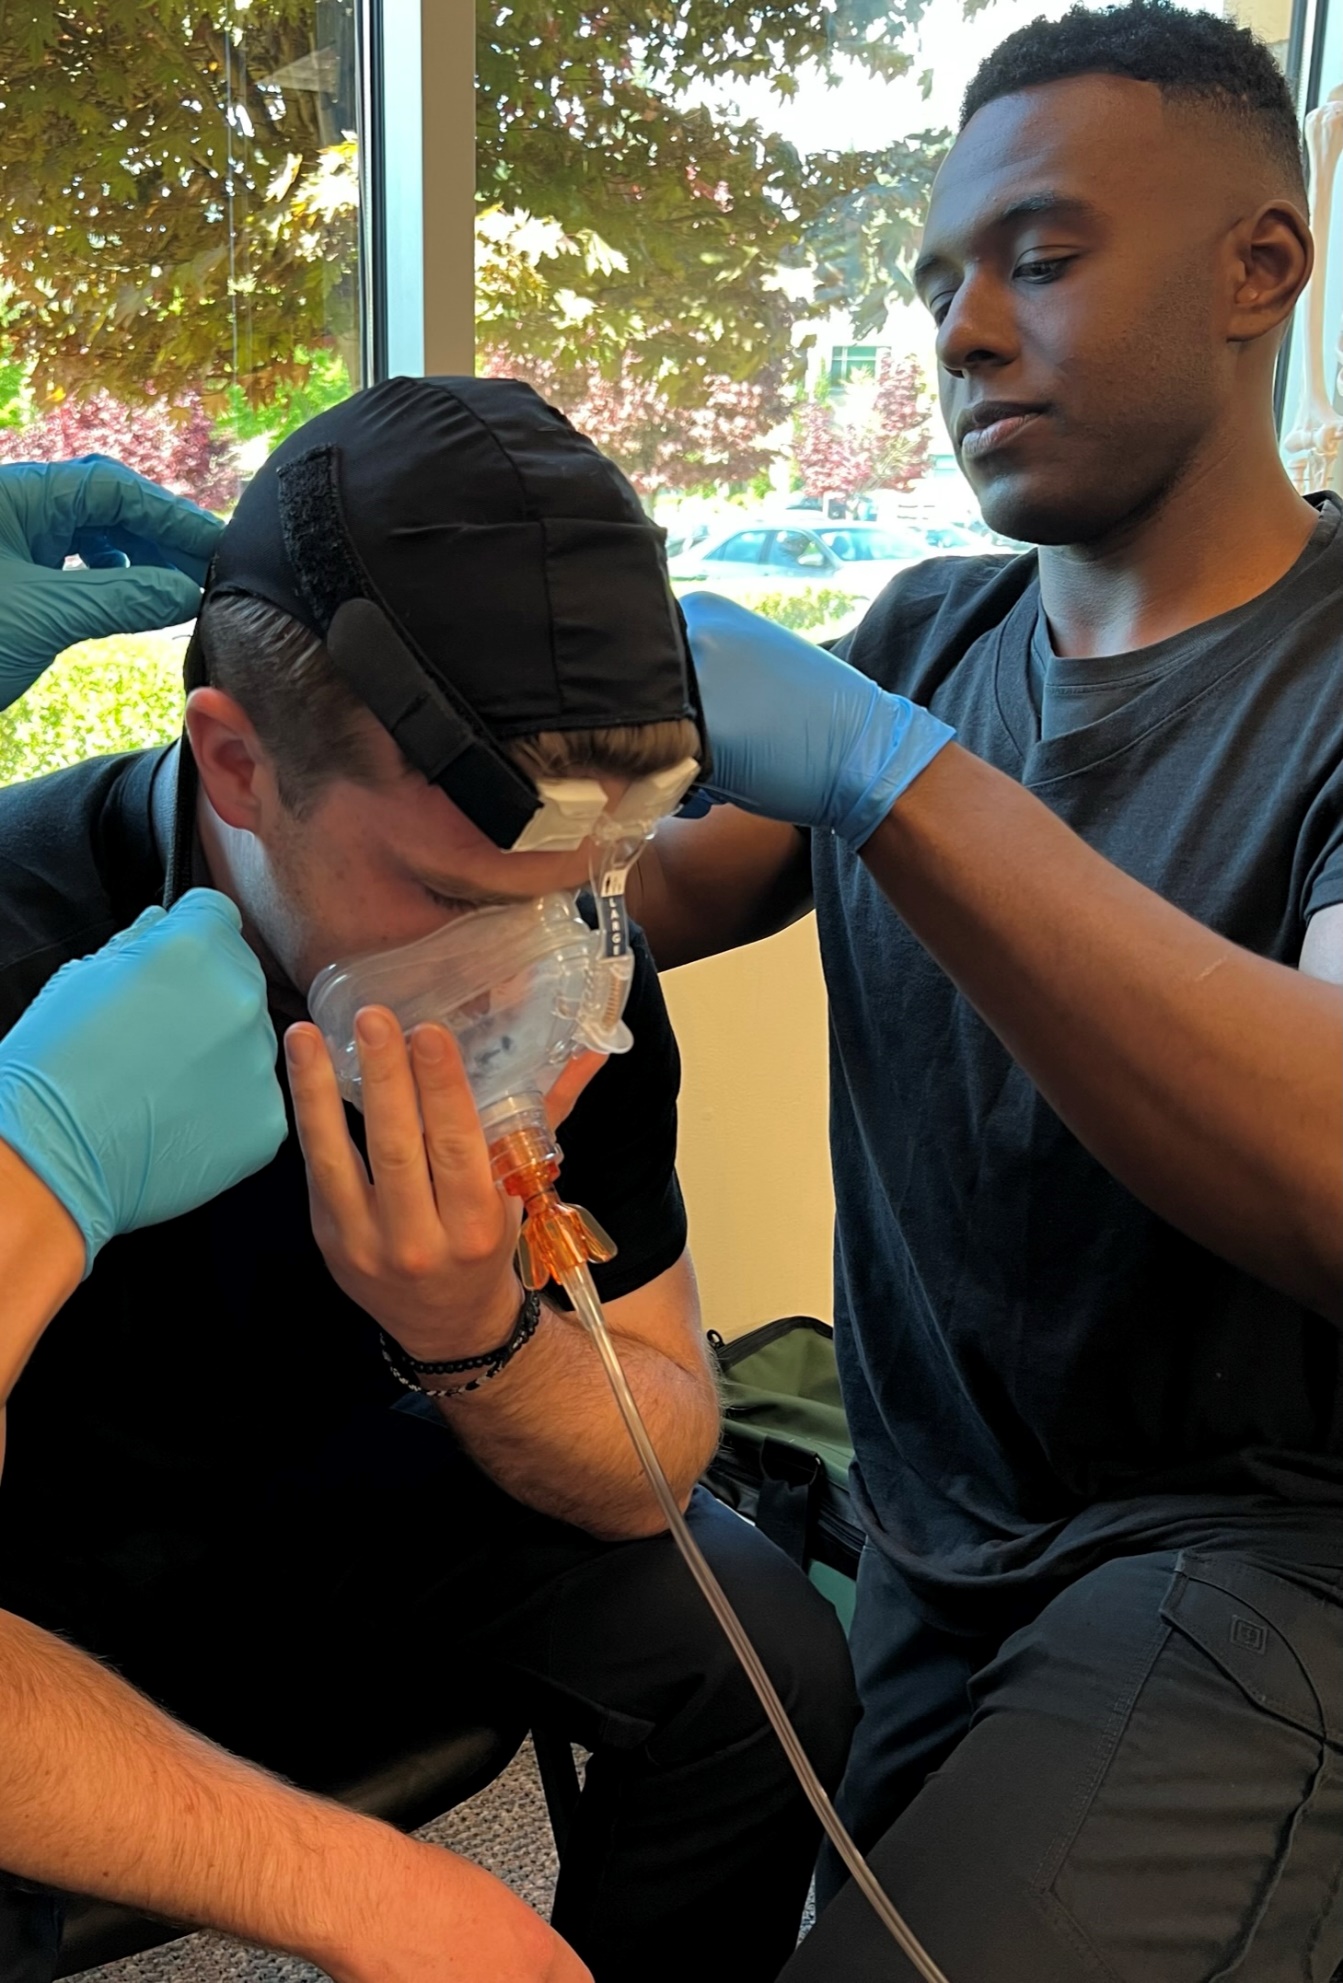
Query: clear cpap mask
[(524, 986)]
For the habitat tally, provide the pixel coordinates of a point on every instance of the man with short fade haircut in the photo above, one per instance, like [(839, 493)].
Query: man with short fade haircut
[(1076, 850), (432, 603)]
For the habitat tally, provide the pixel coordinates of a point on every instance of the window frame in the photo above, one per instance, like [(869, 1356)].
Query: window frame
[(1312, 23), (417, 148)]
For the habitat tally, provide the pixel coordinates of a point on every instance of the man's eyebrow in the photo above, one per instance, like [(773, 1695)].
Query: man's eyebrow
[(1064, 206)]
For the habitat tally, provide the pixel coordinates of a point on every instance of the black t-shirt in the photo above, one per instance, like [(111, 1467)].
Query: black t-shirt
[(205, 1361), (1038, 1370)]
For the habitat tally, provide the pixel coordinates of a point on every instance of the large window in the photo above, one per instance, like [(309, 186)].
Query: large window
[(695, 234), (693, 227), (180, 278)]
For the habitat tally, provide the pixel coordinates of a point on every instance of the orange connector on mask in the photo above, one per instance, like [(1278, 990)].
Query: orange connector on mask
[(555, 1237)]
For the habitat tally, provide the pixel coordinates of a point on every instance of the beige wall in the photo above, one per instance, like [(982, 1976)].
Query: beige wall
[(754, 1162)]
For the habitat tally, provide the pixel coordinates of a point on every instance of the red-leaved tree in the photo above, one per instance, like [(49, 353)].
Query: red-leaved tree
[(173, 444), (884, 444)]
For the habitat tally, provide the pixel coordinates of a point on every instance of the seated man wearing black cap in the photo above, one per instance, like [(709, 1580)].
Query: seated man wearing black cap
[(432, 605)]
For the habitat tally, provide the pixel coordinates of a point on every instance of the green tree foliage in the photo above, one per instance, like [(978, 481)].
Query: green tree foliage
[(98, 698), (177, 189), (819, 610), (630, 232)]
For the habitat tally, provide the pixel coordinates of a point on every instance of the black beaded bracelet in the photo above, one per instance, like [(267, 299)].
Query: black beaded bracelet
[(489, 1365)]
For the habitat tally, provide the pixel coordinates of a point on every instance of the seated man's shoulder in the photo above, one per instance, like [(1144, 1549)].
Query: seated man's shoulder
[(77, 863)]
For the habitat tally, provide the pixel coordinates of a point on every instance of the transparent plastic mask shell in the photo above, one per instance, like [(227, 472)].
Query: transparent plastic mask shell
[(523, 987)]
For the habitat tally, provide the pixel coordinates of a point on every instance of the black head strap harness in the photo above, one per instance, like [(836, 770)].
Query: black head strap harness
[(434, 726)]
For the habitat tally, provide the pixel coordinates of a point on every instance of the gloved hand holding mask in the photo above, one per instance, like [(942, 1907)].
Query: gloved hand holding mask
[(798, 734), (145, 553)]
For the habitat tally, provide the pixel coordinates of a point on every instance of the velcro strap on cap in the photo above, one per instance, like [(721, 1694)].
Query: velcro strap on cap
[(370, 654), (436, 730)]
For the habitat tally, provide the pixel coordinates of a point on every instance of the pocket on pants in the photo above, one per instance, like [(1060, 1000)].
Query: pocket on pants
[(1212, 1846)]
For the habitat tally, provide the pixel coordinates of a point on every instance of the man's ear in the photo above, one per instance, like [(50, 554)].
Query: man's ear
[(235, 768), (1274, 255)]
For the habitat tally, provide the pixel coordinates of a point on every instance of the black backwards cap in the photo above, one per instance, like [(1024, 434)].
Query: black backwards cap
[(475, 568)]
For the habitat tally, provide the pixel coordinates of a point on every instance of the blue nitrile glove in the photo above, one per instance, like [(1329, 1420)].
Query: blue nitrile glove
[(141, 1080), (147, 552), (796, 733)]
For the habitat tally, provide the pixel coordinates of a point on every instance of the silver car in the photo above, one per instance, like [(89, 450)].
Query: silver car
[(854, 558)]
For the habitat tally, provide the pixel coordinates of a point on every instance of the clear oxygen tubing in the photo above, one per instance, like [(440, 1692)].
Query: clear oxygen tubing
[(578, 1285)]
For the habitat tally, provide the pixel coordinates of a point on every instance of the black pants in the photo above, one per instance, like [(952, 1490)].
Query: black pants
[(1142, 1783), (403, 1572)]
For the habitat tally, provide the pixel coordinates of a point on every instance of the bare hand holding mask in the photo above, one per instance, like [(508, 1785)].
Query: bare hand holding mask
[(421, 1237)]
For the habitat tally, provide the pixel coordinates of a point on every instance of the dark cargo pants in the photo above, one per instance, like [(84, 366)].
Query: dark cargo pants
[(1141, 1784)]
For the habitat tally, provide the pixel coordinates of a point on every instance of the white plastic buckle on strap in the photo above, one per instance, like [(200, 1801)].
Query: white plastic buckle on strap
[(571, 808), (650, 799)]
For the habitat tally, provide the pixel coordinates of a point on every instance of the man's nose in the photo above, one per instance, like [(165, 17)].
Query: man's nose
[(978, 329)]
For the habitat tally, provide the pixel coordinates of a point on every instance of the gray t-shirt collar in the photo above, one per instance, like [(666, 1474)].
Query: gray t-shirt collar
[(1069, 692)]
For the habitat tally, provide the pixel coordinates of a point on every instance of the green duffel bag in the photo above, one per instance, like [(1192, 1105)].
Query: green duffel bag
[(784, 1457)]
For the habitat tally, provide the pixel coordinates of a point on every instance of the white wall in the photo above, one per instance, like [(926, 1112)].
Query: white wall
[(754, 1160)]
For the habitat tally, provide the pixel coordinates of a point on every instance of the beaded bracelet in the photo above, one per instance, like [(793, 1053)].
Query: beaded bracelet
[(488, 1365)]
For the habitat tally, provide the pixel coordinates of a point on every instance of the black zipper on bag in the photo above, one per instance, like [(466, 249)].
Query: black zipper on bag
[(729, 1353)]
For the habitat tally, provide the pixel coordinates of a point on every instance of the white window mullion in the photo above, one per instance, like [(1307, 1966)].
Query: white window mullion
[(423, 83)]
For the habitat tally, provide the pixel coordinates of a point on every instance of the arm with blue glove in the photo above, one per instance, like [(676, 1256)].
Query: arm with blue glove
[(139, 1083), (1205, 1078), (144, 557), (797, 734), (800, 741)]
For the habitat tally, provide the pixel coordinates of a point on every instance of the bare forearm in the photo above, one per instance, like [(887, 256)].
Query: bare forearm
[(709, 885), (1205, 1078), (41, 1260), (103, 1794), (547, 1429)]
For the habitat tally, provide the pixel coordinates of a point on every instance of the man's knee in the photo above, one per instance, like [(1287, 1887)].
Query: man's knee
[(640, 1639), (792, 1627), (1087, 1821)]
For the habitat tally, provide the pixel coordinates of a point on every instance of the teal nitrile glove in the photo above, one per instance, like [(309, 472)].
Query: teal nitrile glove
[(141, 1080), (796, 733), (147, 554)]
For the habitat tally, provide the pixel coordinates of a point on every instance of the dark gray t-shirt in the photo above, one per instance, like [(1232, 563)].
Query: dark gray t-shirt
[(1038, 1370), (1067, 692)]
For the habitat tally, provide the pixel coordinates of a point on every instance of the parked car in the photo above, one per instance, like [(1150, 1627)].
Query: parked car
[(955, 539), (969, 540), (856, 558), (686, 538)]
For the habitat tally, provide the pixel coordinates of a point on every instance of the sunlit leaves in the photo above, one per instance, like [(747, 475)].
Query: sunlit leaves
[(100, 697), (170, 220), (584, 124), (174, 218)]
